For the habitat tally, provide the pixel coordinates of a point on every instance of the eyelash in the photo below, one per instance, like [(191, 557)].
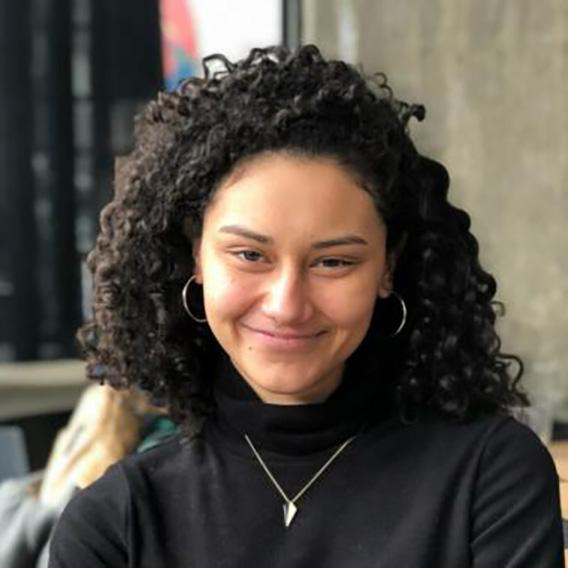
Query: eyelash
[(341, 263), (241, 254)]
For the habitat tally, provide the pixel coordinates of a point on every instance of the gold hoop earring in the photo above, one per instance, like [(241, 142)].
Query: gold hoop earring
[(404, 314), (186, 303)]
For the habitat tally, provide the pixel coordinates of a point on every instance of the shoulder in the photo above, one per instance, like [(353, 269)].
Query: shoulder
[(521, 439), (490, 437), (514, 459), (506, 445), (515, 501), (92, 525), (503, 476), (121, 481), (95, 523), (159, 455), (479, 451)]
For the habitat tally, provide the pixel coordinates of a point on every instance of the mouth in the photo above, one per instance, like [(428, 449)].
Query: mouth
[(279, 339)]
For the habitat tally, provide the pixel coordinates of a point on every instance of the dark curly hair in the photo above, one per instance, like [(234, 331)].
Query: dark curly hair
[(448, 359)]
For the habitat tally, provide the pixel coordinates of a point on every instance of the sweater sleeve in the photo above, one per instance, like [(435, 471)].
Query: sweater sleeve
[(91, 530), (516, 519)]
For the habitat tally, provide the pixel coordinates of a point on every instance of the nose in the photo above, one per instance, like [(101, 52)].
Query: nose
[(287, 299)]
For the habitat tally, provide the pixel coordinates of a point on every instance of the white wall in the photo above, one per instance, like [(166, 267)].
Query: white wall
[(233, 27)]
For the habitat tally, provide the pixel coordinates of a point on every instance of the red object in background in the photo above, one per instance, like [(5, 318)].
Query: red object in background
[(179, 43)]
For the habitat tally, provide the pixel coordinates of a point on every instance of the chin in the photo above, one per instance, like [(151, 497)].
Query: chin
[(288, 383)]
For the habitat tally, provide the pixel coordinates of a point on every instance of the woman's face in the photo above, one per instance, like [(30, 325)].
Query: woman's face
[(292, 259)]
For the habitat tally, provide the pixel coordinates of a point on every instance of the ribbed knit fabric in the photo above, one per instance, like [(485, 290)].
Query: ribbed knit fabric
[(432, 494), (297, 430)]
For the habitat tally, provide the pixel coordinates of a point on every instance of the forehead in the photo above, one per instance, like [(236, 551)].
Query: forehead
[(296, 194)]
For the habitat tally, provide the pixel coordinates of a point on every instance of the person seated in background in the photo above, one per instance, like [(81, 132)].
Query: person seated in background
[(282, 268)]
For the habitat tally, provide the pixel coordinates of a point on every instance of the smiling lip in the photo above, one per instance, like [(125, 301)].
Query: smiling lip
[(289, 340)]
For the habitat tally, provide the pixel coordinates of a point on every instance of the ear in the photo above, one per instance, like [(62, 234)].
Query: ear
[(387, 278), (197, 269)]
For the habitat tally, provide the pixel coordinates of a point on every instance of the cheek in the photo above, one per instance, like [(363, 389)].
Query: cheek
[(361, 312), (225, 295), (349, 310), (355, 326)]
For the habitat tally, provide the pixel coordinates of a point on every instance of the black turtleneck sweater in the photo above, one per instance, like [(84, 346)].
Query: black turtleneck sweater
[(431, 494)]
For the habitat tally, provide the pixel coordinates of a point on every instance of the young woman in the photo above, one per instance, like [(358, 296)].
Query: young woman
[(283, 270)]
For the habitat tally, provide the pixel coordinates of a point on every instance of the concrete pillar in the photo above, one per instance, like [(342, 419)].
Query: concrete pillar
[(494, 78)]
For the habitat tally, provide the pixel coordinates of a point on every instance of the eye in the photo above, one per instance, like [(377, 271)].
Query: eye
[(335, 263), (248, 255)]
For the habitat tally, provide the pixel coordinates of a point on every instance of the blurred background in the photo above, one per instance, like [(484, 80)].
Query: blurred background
[(493, 76)]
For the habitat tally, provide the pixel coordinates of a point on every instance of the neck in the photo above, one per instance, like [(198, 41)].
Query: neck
[(297, 429)]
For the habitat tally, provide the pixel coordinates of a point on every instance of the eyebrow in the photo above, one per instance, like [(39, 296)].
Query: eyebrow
[(265, 239)]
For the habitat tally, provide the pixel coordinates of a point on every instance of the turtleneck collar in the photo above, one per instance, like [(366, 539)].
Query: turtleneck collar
[(358, 402)]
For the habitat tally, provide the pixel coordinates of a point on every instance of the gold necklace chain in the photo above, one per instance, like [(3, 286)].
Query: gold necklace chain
[(290, 507)]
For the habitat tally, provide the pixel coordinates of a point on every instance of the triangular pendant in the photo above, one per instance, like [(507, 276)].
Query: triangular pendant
[(290, 511)]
